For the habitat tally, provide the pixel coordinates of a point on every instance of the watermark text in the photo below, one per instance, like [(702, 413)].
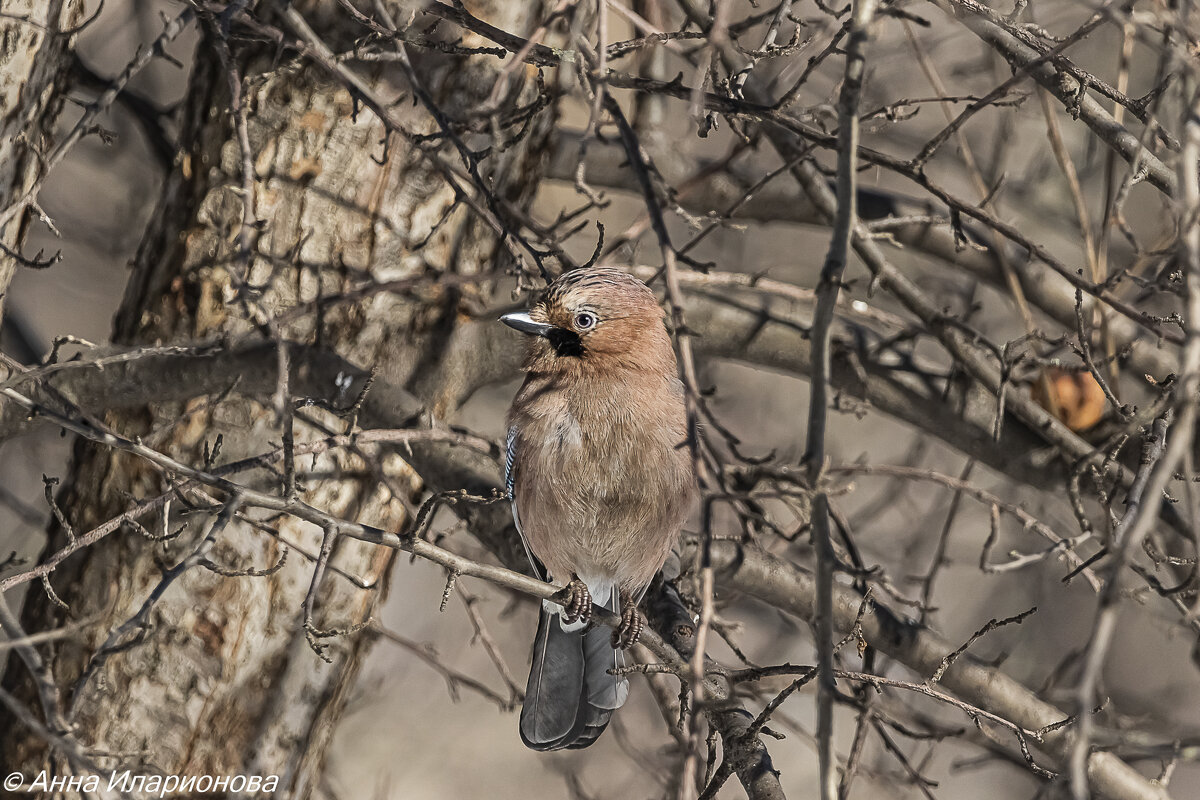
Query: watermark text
[(143, 785)]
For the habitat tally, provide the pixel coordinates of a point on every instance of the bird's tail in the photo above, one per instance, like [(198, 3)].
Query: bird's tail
[(570, 696)]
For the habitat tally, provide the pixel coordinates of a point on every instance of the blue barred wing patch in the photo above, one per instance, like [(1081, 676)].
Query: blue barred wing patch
[(510, 479), (510, 457)]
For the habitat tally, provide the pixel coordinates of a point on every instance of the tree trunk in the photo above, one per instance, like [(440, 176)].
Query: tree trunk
[(33, 72), (224, 681)]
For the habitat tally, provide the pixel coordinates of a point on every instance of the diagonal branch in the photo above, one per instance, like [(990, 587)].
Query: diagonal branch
[(1069, 90)]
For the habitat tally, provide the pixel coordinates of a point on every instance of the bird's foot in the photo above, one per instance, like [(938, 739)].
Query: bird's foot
[(578, 601), (629, 631)]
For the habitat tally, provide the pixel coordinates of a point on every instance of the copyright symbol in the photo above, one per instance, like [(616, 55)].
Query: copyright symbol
[(14, 781)]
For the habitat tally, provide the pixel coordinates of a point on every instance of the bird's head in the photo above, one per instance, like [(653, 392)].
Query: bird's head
[(595, 319)]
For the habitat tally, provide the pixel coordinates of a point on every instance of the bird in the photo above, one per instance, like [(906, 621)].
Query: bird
[(600, 473)]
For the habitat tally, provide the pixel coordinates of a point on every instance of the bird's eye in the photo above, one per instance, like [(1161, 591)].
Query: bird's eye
[(585, 321)]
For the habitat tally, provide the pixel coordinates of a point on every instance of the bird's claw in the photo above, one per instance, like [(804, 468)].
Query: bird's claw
[(629, 631), (578, 605)]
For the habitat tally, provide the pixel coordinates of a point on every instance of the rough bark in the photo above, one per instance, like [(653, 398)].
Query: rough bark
[(34, 38), (229, 654)]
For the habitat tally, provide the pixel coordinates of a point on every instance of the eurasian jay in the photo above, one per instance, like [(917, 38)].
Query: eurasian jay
[(601, 479)]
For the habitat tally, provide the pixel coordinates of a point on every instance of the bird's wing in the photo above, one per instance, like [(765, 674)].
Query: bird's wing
[(510, 461), (510, 480)]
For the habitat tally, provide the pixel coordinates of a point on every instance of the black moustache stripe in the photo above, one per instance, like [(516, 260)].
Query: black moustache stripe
[(565, 343)]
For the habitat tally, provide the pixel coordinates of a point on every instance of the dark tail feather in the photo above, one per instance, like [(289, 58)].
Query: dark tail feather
[(555, 692), (570, 696), (605, 693)]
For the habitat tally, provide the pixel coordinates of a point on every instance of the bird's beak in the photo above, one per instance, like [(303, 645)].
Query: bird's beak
[(523, 323)]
